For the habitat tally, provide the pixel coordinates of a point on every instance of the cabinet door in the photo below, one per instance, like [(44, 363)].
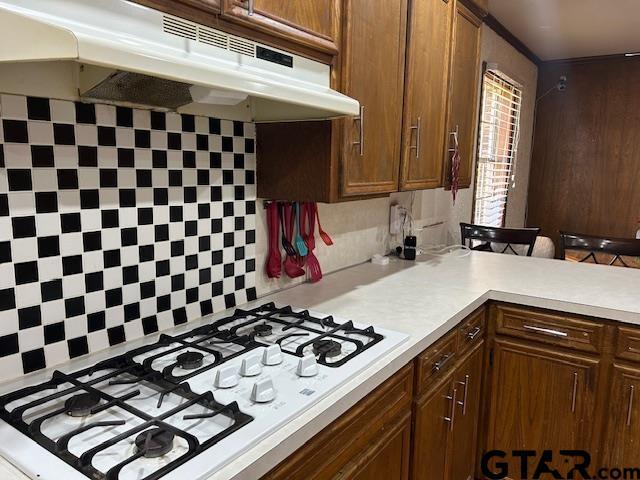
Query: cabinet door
[(313, 23), (541, 400), (468, 378), (426, 93), (434, 414), (463, 94), (373, 74), (183, 8), (623, 426)]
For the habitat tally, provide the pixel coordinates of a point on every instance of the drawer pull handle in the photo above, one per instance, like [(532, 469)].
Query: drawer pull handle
[(546, 331), (452, 416), (632, 392), (440, 364), (463, 403), (574, 393), (417, 127), (471, 336)]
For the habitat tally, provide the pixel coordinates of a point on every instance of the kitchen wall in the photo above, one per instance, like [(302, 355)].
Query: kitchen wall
[(586, 158)]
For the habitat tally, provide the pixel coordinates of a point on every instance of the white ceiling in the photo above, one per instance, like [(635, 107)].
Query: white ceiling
[(556, 29)]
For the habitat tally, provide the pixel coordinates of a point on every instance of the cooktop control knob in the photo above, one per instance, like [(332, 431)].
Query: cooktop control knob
[(263, 391), (272, 355), (307, 366), (227, 376), (251, 365)]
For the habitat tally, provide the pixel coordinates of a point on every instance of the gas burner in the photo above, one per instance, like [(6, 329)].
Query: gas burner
[(80, 405), (154, 442), (330, 348), (262, 330), (190, 360)]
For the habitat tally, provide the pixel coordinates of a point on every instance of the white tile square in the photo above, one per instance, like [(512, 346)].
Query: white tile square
[(63, 111), (89, 178), (133, 330), (27, 295), (56, 353), (76, 326), (107, 157), (17, 155), (69, 200), (143, 158), (24, 250), (202, 124), (48, 224), (106, 115), (53, 312), (226, 128), (21, 203), (125, 137), (158, 140), (13, 106), (112, 278), (71, 244), (73, 285), (50, 268), (93, 261), (174, 122), (66, 156), (86, 135), (189, 141), (141, 119), (8, 322), (98, 341), (40, 133), (10, 366)]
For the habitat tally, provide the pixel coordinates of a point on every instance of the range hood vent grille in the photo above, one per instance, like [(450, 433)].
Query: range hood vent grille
[(208, 36)]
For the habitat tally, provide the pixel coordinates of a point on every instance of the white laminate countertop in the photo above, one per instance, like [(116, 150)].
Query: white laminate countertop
[(425, 299)]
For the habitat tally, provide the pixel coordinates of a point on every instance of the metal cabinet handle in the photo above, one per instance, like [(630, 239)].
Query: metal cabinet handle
[(250, 6), (546, 331), (417, 127), (632, 391), (473, 334), (452, 416), (575, 392), (440, 364), (463, 403), (360, 119)]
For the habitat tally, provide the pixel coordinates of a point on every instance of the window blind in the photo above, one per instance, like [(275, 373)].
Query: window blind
[(497, 148)]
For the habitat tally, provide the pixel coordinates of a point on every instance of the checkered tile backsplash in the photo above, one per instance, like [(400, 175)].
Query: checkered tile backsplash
[(116, 223)]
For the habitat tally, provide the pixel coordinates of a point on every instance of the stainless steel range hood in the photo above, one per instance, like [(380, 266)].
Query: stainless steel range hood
[(134, 54)]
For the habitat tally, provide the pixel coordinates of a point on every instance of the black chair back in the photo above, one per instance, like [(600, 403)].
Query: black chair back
[(507, 236), (592, 245)]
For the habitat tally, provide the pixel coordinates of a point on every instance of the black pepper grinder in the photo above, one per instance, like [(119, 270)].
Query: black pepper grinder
[(410, 247)]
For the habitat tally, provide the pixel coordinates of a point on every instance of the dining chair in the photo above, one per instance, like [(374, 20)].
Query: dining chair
[(507, 237), (612, 249)]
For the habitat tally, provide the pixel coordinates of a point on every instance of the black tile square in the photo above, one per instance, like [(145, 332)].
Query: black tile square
[(130, 275), (158, 120), (229, 270), (229, 300), (249, 145), (48, 246), (15, 131), (206, 307), (94, 282), (177, 283), (46, 202), (19, 179), (149, 325), (38, 109), (67, 179), (131, 312), (227, 144), (159, 158), (107, 136), (215, 160), (42, 156), (70, 222), (53, 333), (143, 178), (51, 290), (124, 117), (216, 194), (113, 297), (64, 134), (250, 265), (126, 158), (191, 262), (7, 299), (249, 177), (216, 257), (146, 253), (228, 239), (238, 160), (202, 142), (203, 177), (33, 360), (92, 241), (190, 194), (227, 177), (143, 139), (239, 282), (227, 209), (214, 126), (175, 178), (174, 141), (204, 276), (239, 253), (116, 335), (238, 129), (216, 225), (78, 346), (145, 216), (175, 213), (129, 236), (26, 272), (204, 210), (87, 156), (193, 295), (23, 227), (29, 317), (4, 205), (250, 237), (188, 123), (5, 252), (2, 163), (250, 207), (161, 233), (96, 321), (204, 243), (161, 196), (179, 316), (238, 192), (72, 264), (148, 289), (74, 306), (177, 248), (127, 197), (9, 344), (239, 223), (163, 303), (188, 159), (190, 228), (89, 199), (162, 268), (110, 218), (85, 113), (108, 177), (111, 258)]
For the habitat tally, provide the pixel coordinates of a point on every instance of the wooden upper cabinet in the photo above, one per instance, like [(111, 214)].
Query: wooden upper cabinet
[(312, 23), (373, 73), (426, 93), (463, 94), (183, 8)]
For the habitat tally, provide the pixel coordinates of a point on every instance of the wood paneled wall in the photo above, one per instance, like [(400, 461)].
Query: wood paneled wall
[(585, 168)]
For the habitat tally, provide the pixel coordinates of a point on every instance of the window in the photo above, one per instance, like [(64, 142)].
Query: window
[(497, 148)]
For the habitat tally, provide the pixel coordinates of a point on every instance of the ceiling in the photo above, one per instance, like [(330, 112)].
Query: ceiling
[(557, 29)]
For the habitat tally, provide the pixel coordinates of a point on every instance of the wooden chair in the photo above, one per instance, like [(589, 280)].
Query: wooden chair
[(493, 235), (614, 248)]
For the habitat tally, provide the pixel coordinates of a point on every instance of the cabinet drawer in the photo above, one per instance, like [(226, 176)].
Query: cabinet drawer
[(472, 331), (628, 343), (550, 328), (438, 359)]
